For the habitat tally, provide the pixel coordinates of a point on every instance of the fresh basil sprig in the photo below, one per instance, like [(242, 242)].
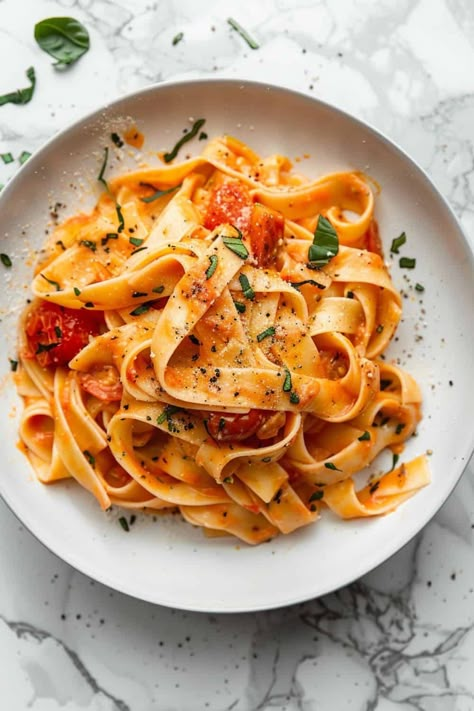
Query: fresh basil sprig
[(64, 38), (21, 96), (325, 244)]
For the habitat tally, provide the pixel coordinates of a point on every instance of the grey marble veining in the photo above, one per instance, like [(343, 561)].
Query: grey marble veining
[(401, 638)]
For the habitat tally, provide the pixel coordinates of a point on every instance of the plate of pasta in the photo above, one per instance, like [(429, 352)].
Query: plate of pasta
[(229, 347)]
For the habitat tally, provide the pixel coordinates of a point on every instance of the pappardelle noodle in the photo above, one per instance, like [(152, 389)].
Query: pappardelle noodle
[(208, 340)]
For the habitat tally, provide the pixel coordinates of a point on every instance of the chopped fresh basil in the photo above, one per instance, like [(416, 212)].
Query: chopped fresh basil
[(6, 261), (142, 309), (63, 38), (136, 241), (325, 243), (364, 437), (395, 459), (45, 347), (116, 139), (168, 412), (21, 96), (213, 260), (330, 465), (316, 496), (56, 285), (236, 246), (247, 290), (140, 249), (23, 157), (89, 244), (118, 210), (407, 262), (77, 291), (167, 157), (160, 193), (240, 307), (177, 38), (203, 136), (297, 284), (243, 33), (13, 365), (419, 287), (7, 158), (398, 242), (124, 523), (287, 382), (90, 457), (294, 398), (158, 289), (109, 235), (100, 177), (270, 331)]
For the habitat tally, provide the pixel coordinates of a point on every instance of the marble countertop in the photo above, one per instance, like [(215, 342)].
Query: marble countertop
[(402, 637)]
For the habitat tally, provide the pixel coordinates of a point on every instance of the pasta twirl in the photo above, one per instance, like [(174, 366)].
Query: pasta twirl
[(208, 339)]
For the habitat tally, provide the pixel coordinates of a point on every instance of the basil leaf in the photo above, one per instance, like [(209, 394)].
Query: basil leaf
[(63, 38), (167, 157), (243, 33), (56, 284), (325, 243), (136, 241), (240, 307), (116, 139), (23, 157), (297, 284), (159, 193), (364, 437), (7, 158), (21, 96), (317, 495), (398, 242), (6, 261), (330, 465), (294, 398), (213, 259), (142, 309), (270, 331), (247, 290), (419, 287), (407, 262), (236, 246), (124, 523), (287, 382), (177, 38)]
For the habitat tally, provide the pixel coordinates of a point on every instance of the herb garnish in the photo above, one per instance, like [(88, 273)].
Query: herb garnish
[(316, 496), (167, 413), (116, 139), (118, 210), (297, 284), (398, 242), (236, 246), (407, 262), (325, 244), (44, 347), (64, 38), (294, 398), (158, 289), (160, 193), (13, 365), (100, 177), (6, 261), (90, 458), (364, 436), (247, 290), (213, 260), (177, 38), (270, 331), (21, 96), (243, 33), (7, 158), (77, 291), (109, 235), (240, 307), (58, 332), (142, 309), (287, 382), (89, 244), (136, 241), (419, 287), (138, 294), (56, 285), (330, 465), (124, 523), (23, 157), (167, 157), (395, 459)]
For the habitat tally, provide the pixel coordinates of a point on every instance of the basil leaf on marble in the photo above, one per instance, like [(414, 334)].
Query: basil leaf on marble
[(325, 243), (21, 96), (64, 38)]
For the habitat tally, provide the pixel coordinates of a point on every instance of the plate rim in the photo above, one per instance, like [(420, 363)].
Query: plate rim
[(463, 457)]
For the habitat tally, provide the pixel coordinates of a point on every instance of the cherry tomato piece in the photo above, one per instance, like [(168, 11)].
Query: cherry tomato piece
[(56, 334), (229, 203), (103, 382), (265, 231), (227, 427)]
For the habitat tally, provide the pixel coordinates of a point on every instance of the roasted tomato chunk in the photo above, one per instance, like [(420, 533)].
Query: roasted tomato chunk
[(227, 427)]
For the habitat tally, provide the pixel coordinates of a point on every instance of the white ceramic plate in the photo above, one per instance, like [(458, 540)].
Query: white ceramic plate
[(167, 561)]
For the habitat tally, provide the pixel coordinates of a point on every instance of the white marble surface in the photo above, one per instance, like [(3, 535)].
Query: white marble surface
[(401, 638)]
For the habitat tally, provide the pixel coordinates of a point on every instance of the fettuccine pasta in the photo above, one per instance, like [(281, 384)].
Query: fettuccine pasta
[(210, 339)]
